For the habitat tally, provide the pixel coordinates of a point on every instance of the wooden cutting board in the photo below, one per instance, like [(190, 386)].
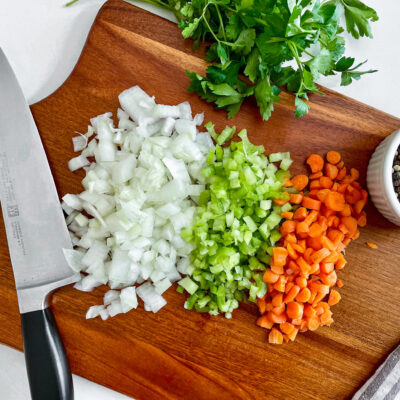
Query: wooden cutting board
[(178, 354)]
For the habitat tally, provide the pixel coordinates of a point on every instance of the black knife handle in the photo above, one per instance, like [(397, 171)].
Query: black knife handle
[(46, 361)]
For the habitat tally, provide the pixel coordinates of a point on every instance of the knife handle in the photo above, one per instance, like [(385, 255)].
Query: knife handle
[(46, 361)]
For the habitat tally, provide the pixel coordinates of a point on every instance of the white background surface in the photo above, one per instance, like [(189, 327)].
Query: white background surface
[(43, 40)]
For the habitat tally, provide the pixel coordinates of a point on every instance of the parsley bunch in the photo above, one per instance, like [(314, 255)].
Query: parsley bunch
[(258, 46)]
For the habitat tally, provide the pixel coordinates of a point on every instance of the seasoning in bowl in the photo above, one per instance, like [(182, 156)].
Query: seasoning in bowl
[(396, 173)]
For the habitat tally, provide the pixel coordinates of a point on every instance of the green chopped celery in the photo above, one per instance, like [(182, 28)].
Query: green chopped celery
[(286, 207), (180, 289), (188, 285), (236, 224), (285, 164)]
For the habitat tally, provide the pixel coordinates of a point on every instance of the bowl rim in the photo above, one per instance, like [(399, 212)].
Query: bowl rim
[(387, 172)]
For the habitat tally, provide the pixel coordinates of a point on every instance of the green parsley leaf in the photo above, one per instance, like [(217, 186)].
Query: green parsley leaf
[(265, 97), (302, 107)]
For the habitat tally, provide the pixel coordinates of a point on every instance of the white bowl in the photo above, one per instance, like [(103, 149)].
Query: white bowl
[(379, 178)]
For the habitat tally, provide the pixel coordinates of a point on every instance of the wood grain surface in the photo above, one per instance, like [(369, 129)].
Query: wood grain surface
[(179, 354)]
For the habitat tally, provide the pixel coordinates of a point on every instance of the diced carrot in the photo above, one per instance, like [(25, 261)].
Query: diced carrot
[(264, 322), (327, 243), (275, 337), (301, 282), (309, 311), (288, 183), (286, 327), (359, 206), (340, 164), (321, 308), (291, 251), (304, 295), (289, 285), (339, 283), (268, 307), (302, 227), (311, 203), (333, 257), (298, 248), (315, 230), (314, 243), (364, 195), (334, 201), (292, 335), (261, 303), (307, 256), (353, 196), (335, 236), (346, 212), (333, 157), (291, 238), (315, 162), (315, 184), (279, 310), (279, 254), (354, 173), (303, 265), (334, 297), (270, 277), (277, 300), (295, 198), (341, 174), (291, 295), (300, 214), (342, 188), (312, 323), (362, 219), (311, 217), (321, 194), (319, 255), (294, 310), (356, 185), (275, 268), (351, 224), (316, 175), (280, 284), (280, 202), (287, 215), (325, 182), (331, 171), (372, 245), (288, 227), (327, 268), (300, 182)]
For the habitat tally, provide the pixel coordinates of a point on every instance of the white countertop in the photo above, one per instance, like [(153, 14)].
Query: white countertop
[(43, 40)]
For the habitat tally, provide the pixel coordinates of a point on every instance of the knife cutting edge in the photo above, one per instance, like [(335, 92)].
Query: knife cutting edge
[(36, 234)]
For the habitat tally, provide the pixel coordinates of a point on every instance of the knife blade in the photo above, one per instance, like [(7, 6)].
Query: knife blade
[(36, 234)]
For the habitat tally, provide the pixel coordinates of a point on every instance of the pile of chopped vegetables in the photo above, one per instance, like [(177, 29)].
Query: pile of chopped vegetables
[(258, 45), (302, 275), (236, 224), (141, 188)]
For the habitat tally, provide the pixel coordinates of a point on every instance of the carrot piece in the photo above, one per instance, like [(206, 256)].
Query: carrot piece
[(333, 157), (315, 184), (354, 173), (280, 202), (315, 230), (304, 295), (327, 243), (279, 255), (333, 257), (261, 303), (334, 201), (276, 269), (277, 318), (325, 182), (339, 283), (301, 282), (341, 174), (314, 194), (353, 196), (327, 268), (279, 310), (364, 195), (358, 206), (331, 171), (288, 227), (342, 188), (291, 295), (321, 194), (315, 162), (292, 335), (268, 307), (286, 327), (277, 300), (303, 265), (291, 238), (356, 185), (288, 183), (287, 215), (280, 284), (319, 255), (309, 311), (270, 277), (291, 251), (362, 219), (316, 175), (335, 236), (326, 318), (296, 198), (302, 243), (356, 235), (300, 182), (340, 164), (311, 217), (334, 297), (302, 227), (372, 245), (314, 243), (264, 322), (307, 255), (311, 203), (294, 310), (312, 323), (351, 224), (298, 248), (289, 285), (300, 214), (275, 337)]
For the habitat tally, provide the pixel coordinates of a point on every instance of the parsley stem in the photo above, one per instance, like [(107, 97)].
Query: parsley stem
[(220, 20)]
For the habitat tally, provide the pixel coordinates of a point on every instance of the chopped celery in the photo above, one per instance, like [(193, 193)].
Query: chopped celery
[(236, 224)]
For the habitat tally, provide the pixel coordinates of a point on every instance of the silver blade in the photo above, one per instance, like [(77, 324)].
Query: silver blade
[(34, 221)]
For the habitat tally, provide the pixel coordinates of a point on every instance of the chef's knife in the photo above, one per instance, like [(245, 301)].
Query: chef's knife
[(36, 234)]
